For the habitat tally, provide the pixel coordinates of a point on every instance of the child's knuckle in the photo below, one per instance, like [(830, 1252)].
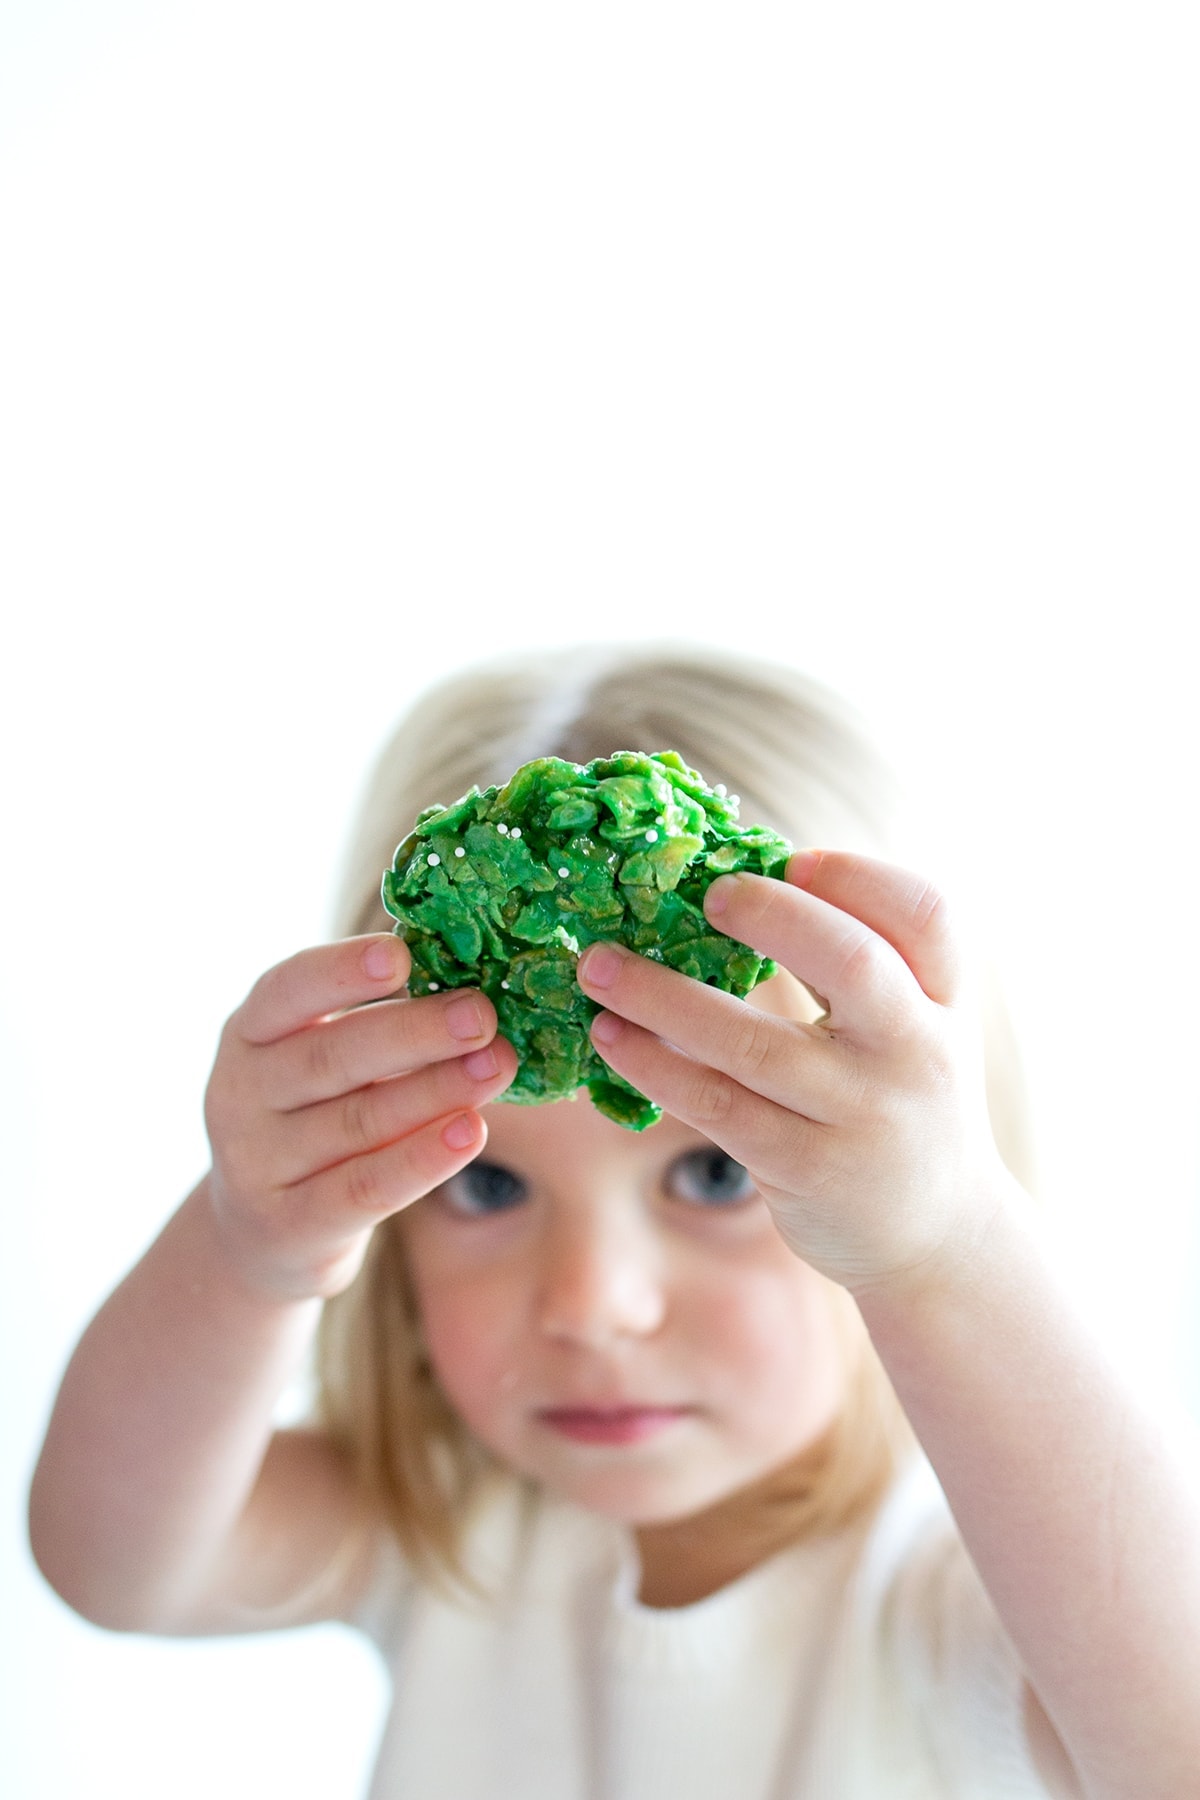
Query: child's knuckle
[(709, 1097), (232, 1057), (363, 1185), (752, 1040), (267, 991), (224, 1103), (243, 1167), (360, 1124), (786, 1145), (928, 909), (858, 961), (236, 1168), (325, 1059)]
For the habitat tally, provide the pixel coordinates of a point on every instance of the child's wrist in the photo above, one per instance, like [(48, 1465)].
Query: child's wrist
[(958, 1261), (229, 1258), (961, 1268)]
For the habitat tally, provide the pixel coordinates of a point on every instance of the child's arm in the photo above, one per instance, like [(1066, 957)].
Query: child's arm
[(161, 1501), (867, 1134)]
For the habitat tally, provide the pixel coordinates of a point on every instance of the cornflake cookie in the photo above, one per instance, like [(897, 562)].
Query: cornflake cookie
[(504, 889)]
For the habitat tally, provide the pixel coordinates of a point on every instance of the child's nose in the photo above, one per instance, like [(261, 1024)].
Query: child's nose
[(600, 1279)]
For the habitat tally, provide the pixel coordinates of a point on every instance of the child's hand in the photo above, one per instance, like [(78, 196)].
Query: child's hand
[(324, 1120), (867, 1132)]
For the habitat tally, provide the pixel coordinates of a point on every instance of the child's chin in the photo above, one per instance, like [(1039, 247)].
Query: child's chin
[(637, 1501)]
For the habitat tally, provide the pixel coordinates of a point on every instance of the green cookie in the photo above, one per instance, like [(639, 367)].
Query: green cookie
[(502, 890)]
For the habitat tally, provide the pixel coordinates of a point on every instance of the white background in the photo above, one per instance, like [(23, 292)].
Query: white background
[(340, 345)]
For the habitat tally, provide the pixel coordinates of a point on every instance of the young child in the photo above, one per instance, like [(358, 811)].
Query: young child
[(626, 1444)]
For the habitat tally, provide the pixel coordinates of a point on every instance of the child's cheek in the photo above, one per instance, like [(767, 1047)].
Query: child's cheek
[(778, 1342), (467, 1346)]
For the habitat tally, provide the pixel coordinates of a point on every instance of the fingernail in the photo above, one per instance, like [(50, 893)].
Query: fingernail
[(600, 965), (379, 960), (464, 1019), (719, 895), (481, 1063), (606, 1028), (459, 1134)]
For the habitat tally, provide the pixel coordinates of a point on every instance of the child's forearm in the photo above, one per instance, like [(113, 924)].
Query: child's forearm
[(161, 1501), (1080, 1509), (160, 1429)]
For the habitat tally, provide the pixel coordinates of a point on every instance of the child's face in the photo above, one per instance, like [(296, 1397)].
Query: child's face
[(580, 1268)]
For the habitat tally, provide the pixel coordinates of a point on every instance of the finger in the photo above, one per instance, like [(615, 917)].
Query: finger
[(372, 1043), (781, 1059), (870, 992), (354, 1124), (769, 1140), (314, 983), (905, 909), (359, 1192)]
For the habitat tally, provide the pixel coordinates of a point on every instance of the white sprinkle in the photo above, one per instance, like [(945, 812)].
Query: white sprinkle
[(563, 873), (721, 789), (434, 859), (735, 799), (459, 851), (433, 986), (504, 984), (652, 836), (503, 830), (516, 831)]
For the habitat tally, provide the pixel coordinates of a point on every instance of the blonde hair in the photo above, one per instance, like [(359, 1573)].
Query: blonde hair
[(803, 763)]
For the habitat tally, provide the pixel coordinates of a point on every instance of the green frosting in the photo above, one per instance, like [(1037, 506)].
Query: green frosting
[(505, 888)]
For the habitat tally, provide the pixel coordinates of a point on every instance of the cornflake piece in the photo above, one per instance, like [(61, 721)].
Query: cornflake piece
[(564, 855)]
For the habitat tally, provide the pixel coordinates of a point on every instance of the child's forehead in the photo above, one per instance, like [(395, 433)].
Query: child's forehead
[(572, 1129)]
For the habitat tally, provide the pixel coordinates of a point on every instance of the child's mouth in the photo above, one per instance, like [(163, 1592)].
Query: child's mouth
[(619, 1425)]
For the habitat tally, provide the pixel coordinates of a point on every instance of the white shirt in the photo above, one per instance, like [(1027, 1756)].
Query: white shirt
[(867, 1665)]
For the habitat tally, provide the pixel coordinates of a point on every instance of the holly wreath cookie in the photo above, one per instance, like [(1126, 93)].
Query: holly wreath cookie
[(504, 889)]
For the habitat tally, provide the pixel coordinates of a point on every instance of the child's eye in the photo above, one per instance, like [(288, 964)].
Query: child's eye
[(710, 1177), (484, 1187)]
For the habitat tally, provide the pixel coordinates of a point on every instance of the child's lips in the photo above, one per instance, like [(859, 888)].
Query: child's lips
[(612, 1424)]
